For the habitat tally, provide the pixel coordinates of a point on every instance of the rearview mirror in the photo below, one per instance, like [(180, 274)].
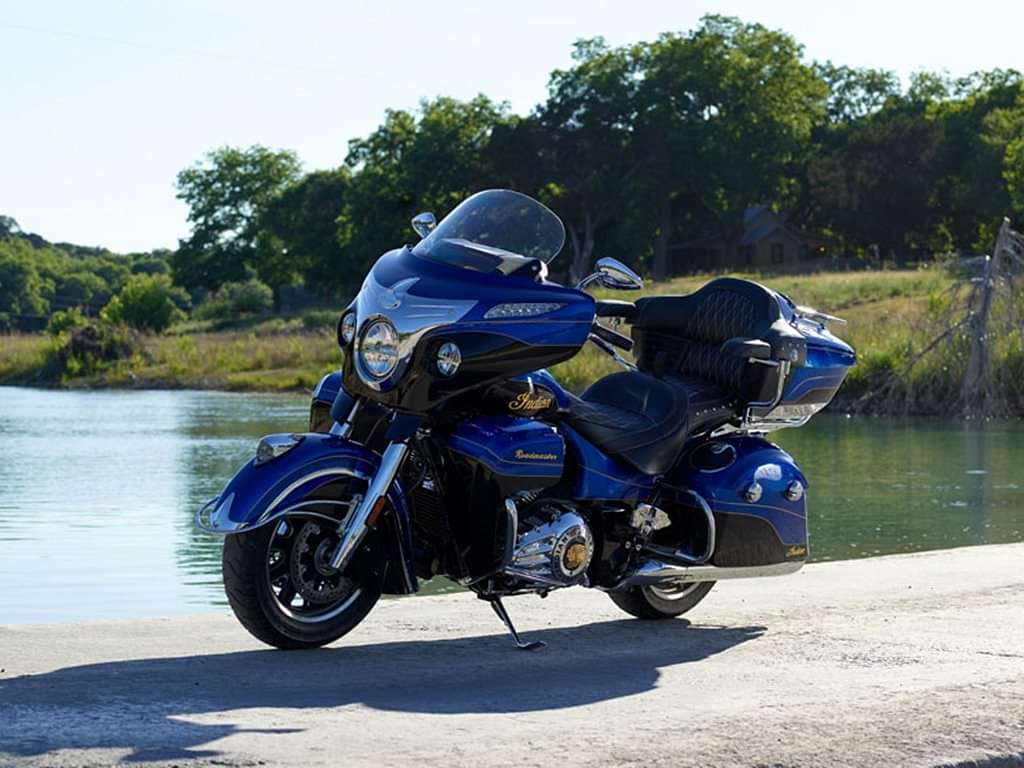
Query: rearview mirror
[(612, 273), (423, 223)]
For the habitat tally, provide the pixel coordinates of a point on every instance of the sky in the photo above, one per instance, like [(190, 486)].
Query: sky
[(104, 102)]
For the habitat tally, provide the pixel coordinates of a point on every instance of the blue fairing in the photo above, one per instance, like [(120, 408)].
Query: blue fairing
[(258, 494), (466, 297), (767, 464)]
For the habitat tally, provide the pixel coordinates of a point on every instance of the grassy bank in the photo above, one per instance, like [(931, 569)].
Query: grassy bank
[(888, 312)]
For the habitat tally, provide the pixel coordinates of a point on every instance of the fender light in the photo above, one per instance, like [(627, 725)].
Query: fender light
[(272, 446)]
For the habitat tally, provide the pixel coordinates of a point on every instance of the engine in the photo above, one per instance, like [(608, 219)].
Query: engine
[(554, 546)]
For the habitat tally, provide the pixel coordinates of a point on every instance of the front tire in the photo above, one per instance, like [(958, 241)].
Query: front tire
[(653, 602), (260, 583)]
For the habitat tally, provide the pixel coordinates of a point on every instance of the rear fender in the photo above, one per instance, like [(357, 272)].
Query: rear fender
[(259, 494)]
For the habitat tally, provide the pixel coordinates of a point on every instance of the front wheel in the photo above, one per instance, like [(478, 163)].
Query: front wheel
[(281, 589), (661, 602)]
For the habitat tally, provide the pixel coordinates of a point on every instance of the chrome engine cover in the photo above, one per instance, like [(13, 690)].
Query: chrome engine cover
[(555, 549)]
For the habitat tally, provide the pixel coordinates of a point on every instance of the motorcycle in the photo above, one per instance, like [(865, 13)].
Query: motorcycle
[(444, 447)]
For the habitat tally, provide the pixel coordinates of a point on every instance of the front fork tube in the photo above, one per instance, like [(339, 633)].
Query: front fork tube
[(369, 508)]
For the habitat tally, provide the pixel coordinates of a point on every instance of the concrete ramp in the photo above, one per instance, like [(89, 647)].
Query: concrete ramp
[(913, 660)]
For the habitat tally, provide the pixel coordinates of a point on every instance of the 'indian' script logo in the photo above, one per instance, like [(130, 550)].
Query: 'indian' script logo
[(526, 402)]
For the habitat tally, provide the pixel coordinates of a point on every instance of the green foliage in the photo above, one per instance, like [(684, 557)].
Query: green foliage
[(91, 348), (22, 290), (65, 319), (233, 300), (226, 196), (147, 302)]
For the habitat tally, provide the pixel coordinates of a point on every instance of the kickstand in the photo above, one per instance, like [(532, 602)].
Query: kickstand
[(499, 609)]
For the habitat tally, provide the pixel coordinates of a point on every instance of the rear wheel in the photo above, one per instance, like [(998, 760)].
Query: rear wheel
[(282, 590), (661, 602)]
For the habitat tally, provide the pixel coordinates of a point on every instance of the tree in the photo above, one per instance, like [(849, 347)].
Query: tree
[(856, 93), (148, 302), (585, 143), (430, 160), (226, 195), (22, 290), (725, 119), (877, 188), (298, 233)]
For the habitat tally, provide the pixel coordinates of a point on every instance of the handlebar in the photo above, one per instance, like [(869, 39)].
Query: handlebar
[(615, 308), (614, 338)]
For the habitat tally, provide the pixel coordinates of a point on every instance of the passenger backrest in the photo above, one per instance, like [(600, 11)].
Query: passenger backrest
[(684, 334)]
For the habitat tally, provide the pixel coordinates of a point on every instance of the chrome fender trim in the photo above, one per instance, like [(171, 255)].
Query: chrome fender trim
[(260, 494), (655, 572)]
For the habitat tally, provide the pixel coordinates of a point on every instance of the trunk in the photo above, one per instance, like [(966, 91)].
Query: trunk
[(582, 252), (277, 299), (661, 243)]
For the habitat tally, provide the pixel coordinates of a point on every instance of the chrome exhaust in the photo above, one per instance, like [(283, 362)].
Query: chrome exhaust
[(656, 572)]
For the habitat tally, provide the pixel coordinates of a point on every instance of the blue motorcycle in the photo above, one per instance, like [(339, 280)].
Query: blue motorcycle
[(443, 447)]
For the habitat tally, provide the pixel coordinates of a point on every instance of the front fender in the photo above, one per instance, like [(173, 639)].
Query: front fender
[(260, 494)]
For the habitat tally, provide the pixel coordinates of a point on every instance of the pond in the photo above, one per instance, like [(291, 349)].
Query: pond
[(98, 489)]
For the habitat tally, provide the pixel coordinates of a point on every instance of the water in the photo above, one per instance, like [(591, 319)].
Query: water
[(98, 489)]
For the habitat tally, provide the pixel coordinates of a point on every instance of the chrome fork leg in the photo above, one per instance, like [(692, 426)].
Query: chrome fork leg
[(365, 514), (499, 609)]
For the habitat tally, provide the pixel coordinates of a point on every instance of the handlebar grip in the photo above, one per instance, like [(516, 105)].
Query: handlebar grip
[(614, 308), (614, 338)]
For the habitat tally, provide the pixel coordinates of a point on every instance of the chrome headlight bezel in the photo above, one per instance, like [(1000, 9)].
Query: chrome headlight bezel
[(377, 352)]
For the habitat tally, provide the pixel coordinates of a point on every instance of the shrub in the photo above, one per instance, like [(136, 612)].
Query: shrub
[(320, 318), (93, 347), (250, 297), (148, 302), (63, 319)]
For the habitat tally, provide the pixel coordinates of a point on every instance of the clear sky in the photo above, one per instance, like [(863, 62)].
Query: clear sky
[(104, 102)]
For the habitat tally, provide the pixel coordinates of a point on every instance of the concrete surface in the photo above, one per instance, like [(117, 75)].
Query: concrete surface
[(913, 660)]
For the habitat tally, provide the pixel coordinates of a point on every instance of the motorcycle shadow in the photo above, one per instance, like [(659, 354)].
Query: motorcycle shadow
[(87, 706)]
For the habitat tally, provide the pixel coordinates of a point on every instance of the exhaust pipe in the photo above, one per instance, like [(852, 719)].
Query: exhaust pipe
[(655, 572)]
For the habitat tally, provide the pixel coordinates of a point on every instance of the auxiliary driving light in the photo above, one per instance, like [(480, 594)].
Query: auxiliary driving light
[(272, 446), (449, 358)]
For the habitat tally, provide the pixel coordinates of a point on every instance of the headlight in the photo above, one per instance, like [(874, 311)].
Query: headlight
[(449, 358), (378, 351), (347, 329)]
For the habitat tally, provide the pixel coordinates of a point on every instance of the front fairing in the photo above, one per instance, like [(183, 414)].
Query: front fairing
[(431, 303)]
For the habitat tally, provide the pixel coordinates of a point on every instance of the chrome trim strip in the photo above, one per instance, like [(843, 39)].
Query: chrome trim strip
[(204, 520), (655, 572)]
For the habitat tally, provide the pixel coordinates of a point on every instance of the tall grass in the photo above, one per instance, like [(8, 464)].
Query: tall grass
[(889, 313)]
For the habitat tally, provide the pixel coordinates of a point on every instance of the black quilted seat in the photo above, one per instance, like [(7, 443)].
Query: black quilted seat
[(688, 380), (645, 421), (683, 335)]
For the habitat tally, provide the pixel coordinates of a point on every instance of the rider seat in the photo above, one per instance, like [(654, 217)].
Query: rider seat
[(691, 377)]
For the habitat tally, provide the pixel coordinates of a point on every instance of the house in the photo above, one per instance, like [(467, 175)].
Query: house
[(769, 243)]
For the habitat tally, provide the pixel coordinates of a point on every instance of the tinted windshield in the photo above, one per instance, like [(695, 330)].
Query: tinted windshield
[(495, 231)]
